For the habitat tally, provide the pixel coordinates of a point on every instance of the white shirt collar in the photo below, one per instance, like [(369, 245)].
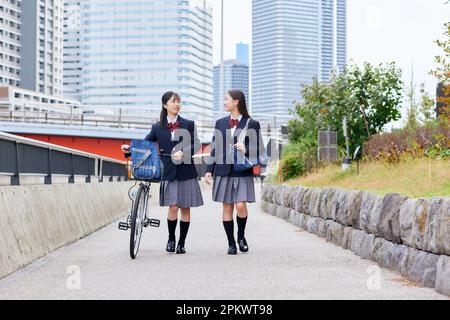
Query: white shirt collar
[(239, 118), (172, 120)]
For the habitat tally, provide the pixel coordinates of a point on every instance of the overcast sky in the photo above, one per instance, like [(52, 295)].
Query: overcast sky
[(378, 31)]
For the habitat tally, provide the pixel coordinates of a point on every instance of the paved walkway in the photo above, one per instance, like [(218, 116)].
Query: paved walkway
[(284, 262)]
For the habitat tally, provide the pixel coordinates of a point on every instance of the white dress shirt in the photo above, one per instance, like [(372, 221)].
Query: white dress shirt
[(172, 121), (233, 130)]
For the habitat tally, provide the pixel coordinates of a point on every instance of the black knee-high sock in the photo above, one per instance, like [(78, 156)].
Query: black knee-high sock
[(241, 222), (184, 227), (172, 225), (229, 229)]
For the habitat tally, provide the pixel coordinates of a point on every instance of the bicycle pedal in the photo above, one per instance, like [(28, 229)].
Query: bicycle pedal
[(154, 223), (124, 226)]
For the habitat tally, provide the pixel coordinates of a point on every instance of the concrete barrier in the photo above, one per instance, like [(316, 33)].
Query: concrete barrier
[(410, 236), (36, 220)]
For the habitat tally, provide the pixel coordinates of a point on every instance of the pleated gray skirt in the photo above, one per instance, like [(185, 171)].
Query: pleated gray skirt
[(184, 194), (232, 190)]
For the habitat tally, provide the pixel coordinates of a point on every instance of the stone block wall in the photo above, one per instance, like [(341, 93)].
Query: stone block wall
[(410, 236)]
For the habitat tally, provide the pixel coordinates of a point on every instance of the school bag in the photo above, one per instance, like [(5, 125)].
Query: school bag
[(145, 164)]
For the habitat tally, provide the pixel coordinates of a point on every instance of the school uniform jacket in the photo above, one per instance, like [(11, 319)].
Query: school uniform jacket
[(221, 161), (182, 170)]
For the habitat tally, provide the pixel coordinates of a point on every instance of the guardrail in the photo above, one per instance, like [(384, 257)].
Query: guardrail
[(270, 124), (25, 161)]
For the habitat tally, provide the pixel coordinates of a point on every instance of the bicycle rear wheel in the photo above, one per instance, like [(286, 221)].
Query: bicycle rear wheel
[(137, 220)]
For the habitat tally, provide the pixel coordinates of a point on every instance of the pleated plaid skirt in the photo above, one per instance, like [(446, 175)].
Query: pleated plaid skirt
[(232, 190), (182, 193)]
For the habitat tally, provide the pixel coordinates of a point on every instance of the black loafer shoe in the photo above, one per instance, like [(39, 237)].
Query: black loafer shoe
[(243, 246), (181, 249), (170, 246), (232, 250)]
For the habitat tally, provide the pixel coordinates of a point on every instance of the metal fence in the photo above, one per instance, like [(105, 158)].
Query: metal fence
[(22, 159)]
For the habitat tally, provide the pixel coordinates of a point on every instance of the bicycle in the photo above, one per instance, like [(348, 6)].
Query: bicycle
[(138, 218)]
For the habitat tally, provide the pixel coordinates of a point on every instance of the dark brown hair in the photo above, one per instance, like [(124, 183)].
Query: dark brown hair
[(166, 98), (242, 106)]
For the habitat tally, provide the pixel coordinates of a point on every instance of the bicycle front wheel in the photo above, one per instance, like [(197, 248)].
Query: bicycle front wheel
[(137, 220)]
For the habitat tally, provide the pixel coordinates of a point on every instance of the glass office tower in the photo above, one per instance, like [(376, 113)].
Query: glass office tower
[(294, 41), (235, 78), (72, 49), (134, 51)]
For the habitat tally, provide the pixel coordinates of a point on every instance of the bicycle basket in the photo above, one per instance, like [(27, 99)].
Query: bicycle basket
[(145, 160)]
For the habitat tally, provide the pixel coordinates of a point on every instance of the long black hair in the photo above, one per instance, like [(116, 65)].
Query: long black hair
[(166, 98), (242, 105)]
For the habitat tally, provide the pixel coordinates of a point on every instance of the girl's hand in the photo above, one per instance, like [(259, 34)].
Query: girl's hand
[(208, 178), (178, 156), (240, 147), (125, 148)]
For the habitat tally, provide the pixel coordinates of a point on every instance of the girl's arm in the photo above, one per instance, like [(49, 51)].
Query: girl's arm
[(188, 147), (195, 141), (210, 168), (152, 135), (260, 149)]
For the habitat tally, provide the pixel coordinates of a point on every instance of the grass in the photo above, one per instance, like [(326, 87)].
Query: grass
[(415, 178)]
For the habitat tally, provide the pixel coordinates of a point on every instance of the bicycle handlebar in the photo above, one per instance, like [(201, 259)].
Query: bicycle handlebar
[(168, 155)]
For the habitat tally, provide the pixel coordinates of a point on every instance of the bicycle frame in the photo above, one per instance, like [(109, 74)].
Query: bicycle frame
[(124, 226)]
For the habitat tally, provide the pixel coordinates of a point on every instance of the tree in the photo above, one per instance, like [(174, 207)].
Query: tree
[(442, 71), (369, 97), (412, 118), (377, 92), (306, 126), (426, 106)]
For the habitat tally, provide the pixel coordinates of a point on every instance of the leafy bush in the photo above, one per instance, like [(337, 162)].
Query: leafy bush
[(297, 160), (291, 167)]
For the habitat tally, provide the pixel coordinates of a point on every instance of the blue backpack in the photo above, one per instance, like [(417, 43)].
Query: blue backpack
[(145, 164)]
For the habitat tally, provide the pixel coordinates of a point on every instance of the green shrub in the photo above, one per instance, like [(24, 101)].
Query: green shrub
[(297, 160), (291, 167)]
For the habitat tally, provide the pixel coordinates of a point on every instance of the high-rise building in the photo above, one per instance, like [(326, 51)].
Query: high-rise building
[(235, 78), (72, 50), (242, 53), (293, 42), (333, 35), (341, 34), (42, 46), (134, 51), (10, 34)]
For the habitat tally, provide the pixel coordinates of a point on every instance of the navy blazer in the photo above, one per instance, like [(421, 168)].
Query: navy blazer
[(221, 160), (184, 169)]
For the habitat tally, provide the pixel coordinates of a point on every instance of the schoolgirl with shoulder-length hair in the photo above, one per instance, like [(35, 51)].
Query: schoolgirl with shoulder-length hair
[(179, 189)]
